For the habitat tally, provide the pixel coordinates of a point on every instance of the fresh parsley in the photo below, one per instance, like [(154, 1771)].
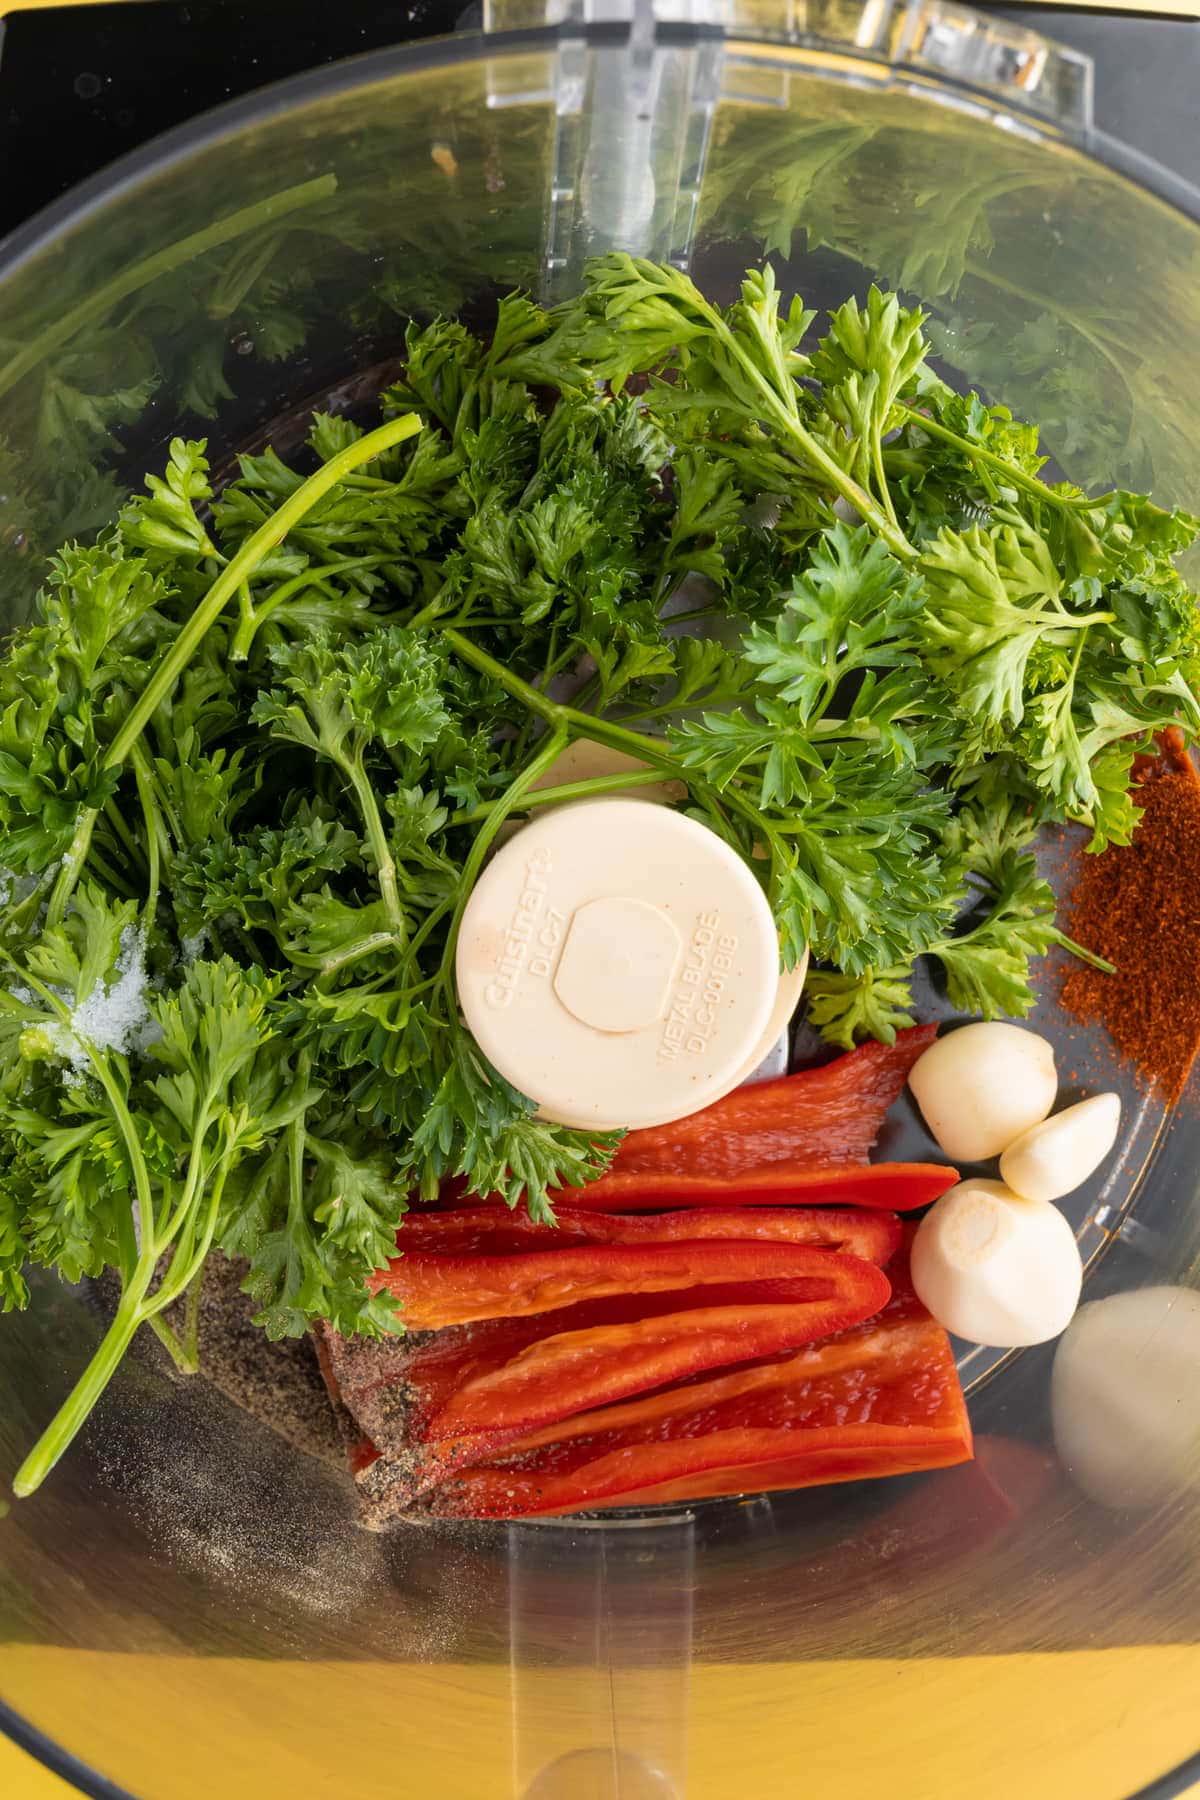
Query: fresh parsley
[(256, 745)]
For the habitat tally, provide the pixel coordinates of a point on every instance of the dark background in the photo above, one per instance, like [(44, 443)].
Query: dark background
[(79, 86)]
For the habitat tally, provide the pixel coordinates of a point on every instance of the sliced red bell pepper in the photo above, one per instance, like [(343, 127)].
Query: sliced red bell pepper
[(882, 1399), (395, 1386), (896, 1187), (824, 1118), (610, 1362), (480, 1231), (435, 1291), (361, 1452), (389, 1392), (801, 1140), (460, 1394)]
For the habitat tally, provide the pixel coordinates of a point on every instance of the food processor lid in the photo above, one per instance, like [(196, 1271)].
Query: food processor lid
[(618, 962)]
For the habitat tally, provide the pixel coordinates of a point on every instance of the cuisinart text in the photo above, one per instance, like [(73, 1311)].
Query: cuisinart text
[(534, 933)]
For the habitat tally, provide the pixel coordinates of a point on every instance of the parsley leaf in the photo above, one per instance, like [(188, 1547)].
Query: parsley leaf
[(852, 609), (848, 1008), (994, 598)]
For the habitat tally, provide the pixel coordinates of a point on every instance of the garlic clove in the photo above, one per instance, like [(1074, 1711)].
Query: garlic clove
[(983, 1085), (1124, 1398), (1057, 1156), (996, 1269)]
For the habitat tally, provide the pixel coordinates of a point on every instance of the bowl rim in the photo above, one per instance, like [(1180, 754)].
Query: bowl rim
[(218, 124)]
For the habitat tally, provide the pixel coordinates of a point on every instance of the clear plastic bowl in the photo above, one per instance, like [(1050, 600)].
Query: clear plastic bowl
[(188, 1606)]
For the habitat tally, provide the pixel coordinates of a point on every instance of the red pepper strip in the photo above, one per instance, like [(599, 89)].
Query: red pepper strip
[(395, 1386), (882, 1399), (459, 1394), (477, 1231), (606, 1363), (452, 1290), (824, 1118), (894, 1187)]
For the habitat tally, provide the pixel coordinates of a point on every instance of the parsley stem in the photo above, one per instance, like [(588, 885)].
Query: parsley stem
[(569, 790), (144, 1197), (552, 663), (377, 840), (171, 826), (116, 819), (181, 1217), (252, 618), (881, 480), (813, 452), (849, 489), (73, 1414), (431, 610), (976, 453), (185, 1359), (192, 1252), (269, 535), (601, 731), (297, 1143), (155, 830), (363, 946), (114, 879), (556, 715), (587, 725), (1074, 948), (247, 625), (72, 866)]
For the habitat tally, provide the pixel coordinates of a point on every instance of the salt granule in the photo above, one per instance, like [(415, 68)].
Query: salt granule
[(112, 1017)]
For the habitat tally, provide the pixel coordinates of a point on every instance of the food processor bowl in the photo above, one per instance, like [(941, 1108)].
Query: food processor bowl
[(188, 1606)]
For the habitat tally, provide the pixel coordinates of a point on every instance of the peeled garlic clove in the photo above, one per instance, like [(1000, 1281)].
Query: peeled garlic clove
[(980, 1087), (994, 1268), (1055, 1157), (1124, 1397)]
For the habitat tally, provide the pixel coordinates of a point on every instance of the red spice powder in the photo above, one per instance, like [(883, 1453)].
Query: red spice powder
[(1139, 907)]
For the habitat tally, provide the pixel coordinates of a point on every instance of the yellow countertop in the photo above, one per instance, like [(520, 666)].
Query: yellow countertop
[(1133, 1714), (21, 1778)]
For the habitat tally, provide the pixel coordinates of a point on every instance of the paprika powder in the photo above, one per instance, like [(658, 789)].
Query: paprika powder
[(1138, 905)]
